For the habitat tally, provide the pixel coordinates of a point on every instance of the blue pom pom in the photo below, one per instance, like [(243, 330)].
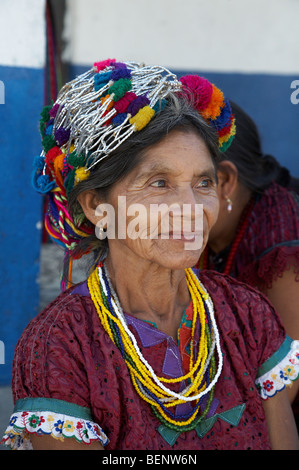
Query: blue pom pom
[(160, 105), (49, 130), (100, 79), (39, 162), (42, 183), (119, 119), (120, 73), (223, 119)]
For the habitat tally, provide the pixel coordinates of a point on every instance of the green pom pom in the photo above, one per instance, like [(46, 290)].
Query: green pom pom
[(69, 181), (48, 142), (226, 144), (45, 117), (119, 88), (74, 160)]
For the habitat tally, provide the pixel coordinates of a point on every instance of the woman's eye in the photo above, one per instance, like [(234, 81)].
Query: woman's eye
[(159, 184), (205, 183)]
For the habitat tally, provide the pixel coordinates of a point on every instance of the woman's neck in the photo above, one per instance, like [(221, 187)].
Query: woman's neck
[(162, 294), (225, 229)]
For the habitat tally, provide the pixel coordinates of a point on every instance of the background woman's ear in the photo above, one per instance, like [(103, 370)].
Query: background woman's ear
[(227, 179), (89, 201)]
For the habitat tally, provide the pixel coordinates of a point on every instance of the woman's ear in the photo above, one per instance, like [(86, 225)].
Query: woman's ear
[(89, 201), (227, 180)]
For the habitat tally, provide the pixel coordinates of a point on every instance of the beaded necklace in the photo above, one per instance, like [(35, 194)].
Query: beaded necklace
[(203, 263), (203, 372)]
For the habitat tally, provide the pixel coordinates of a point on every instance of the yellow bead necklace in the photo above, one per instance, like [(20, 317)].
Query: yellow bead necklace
[(147, 384)]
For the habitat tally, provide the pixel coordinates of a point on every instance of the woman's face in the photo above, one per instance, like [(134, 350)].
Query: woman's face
[(165, 208)]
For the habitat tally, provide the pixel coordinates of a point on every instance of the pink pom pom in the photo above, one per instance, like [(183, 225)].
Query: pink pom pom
[(103, 64), (198, 89)]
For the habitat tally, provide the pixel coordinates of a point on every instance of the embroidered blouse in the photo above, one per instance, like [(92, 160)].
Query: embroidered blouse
[(70, 380)]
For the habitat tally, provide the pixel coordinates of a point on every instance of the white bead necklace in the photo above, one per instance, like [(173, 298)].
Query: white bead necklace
[(215, 342)]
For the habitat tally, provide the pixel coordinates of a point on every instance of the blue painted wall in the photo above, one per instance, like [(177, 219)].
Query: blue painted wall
[(20, 206), (266, 98)]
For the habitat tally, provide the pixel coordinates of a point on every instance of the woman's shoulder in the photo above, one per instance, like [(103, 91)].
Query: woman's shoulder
[(244, 315), (275, 192), (69, 317), (69, 305), (222, 286), (55, 345), (278, 210), (272, 238)]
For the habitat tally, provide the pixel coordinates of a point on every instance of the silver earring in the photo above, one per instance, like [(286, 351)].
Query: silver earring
[(229, 204)]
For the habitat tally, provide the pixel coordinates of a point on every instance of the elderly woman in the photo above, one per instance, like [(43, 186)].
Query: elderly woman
[(147, 353)]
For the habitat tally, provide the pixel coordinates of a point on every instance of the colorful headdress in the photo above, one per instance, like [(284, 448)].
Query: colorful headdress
[(94, 114)]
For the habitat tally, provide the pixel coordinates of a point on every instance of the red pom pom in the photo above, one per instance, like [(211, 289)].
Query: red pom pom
[(122, 104), (52, 154)]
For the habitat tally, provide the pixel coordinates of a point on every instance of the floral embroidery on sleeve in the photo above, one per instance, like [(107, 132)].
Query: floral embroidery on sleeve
[(281, 370), (57, 425)]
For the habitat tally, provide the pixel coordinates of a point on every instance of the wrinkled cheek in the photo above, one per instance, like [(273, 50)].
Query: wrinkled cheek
[(137, 225), (212, 212), (142, 223)]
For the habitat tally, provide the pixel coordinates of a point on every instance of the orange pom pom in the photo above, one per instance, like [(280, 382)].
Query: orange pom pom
[(58, 167), (110, 105), (213, 109)]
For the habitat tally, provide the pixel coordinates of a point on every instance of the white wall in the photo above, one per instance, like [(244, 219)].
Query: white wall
[(216, 35), (22, 33)]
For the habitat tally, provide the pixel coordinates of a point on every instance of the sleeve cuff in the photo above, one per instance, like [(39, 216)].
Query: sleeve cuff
[(281, 369), (57, 418)]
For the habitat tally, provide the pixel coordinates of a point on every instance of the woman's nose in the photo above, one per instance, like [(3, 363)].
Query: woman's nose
[(188, 198), (189, 207)]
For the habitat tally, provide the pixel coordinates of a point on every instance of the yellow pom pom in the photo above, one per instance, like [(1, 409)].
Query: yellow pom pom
[(142, 118), (81, 174), (66, 150)]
